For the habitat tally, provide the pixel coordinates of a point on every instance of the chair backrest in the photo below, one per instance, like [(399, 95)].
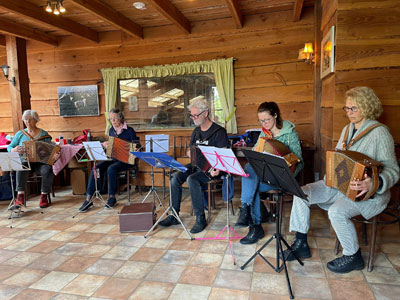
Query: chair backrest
[(180, 146)]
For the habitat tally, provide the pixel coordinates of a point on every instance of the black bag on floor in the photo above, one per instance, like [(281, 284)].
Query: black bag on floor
[(5, 186)]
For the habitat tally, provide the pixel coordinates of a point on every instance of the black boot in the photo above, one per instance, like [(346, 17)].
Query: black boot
[(347, 263), (169, 221), (200, 224), (244, 217), (300, 248), (256, 232)]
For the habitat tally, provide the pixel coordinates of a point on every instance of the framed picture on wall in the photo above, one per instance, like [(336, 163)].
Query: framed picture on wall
[(80, 100), (328, 53)]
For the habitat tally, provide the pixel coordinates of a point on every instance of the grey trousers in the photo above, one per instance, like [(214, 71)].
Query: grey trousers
[(340, 210), (44, 170)]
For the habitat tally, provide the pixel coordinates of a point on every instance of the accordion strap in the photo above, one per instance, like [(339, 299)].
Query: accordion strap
[(375, 182), (37, 139), (358, 137)]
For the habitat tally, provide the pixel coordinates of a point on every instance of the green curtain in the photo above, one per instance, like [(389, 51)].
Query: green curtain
[(221, 68)]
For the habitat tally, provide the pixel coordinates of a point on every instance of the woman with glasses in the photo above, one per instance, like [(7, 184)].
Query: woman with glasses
[(273, 127), (120, 130), (365, 135)]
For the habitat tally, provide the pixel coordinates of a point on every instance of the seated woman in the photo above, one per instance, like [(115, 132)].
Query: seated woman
[(273, 127), (120, 130), (32, 133), (362, 108)]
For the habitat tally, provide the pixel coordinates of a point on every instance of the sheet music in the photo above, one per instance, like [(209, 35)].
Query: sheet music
[(11, 161), (159, 142), (223, 159), (160, 160), (95, 151)]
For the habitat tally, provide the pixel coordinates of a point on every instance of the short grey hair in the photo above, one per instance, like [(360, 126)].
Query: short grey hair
[(200, 103), (30, 113), (118, 112)]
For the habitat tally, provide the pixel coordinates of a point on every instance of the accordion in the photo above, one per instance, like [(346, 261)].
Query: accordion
[(277, 148), (343, 166), (120, 149), (197, 159), (43, 152)]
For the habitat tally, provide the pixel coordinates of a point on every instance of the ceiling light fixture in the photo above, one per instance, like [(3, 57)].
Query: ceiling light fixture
[(139, 5), (55, 6)]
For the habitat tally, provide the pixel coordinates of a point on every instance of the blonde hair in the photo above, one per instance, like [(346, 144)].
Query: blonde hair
[(366, 100), (30, 113)]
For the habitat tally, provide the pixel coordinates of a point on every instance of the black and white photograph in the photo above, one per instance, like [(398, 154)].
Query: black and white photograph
[(78, 100)]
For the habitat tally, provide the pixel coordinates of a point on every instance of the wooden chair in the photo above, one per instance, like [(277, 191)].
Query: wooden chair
[(36, 179), (269, 199), (131, 173)]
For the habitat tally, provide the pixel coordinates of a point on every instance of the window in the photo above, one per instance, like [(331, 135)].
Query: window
[(161, 103)]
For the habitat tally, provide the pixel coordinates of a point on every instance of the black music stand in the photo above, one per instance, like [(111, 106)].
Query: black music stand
[(11, 161), (273, 170), (162, 160), (95, 153)]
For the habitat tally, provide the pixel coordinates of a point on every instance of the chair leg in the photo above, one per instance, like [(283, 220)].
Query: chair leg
[(209, 196), (337, 244), (128, 179), (280, 202), (373, 242), (364, 234), (233, 211)]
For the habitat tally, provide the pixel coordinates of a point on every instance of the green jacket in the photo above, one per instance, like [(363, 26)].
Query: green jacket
[(290, 138)]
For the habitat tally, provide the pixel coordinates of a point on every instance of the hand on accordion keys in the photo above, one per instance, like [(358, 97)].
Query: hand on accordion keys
[(214, 172), (57, 156), (361, 185)]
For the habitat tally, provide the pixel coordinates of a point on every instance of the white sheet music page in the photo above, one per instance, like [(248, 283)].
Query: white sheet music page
[(11, 161), (95, 151)]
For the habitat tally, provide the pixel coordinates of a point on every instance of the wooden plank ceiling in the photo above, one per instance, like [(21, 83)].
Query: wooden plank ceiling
[(87, 18)]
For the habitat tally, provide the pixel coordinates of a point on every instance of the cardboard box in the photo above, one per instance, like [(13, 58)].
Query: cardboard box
[(136, 217)]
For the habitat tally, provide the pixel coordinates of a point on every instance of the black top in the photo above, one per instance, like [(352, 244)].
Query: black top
[(215, 136), (128, 134)]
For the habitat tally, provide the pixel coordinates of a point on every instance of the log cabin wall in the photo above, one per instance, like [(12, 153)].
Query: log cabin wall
[(367, 54), (266, 68)]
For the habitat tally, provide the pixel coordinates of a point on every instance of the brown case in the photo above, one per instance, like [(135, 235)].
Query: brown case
[(78, 181), (136, 217)]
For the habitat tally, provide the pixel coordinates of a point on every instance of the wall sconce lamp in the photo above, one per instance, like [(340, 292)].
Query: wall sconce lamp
[(5, 68), (55, 7), (306, 54)]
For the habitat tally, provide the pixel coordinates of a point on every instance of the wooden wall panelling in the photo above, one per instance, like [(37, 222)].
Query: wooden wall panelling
[(329, 8)]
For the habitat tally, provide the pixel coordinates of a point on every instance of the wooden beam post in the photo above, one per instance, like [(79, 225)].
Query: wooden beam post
[(19, 94)]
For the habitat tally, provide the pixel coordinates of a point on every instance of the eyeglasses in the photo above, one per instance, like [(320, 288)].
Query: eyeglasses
[(352, 109), (265, 120), (114, 119), (197, 115)]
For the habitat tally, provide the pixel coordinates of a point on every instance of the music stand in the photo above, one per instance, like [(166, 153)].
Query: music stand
[(224, 159), (273, 170), (95, 153), (162, 160), (11, 161), (156, 143)]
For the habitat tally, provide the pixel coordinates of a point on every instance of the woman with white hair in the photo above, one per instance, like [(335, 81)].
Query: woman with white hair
[(32, 133)]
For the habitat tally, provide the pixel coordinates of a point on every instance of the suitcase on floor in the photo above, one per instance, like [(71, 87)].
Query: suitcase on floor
[(136, 217)]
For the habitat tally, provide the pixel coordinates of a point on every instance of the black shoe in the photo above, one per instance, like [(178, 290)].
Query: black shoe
[(86, 206), (256, 232), (347, 263), (111, 202), (168, 221), (300, 248), (200, 224), (244, 219)]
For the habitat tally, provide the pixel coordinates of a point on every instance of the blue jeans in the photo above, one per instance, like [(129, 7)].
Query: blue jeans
[(196, 179), (112, 167), (251, 188)]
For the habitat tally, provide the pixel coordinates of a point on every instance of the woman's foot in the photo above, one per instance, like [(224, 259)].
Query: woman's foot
[(256, 232)]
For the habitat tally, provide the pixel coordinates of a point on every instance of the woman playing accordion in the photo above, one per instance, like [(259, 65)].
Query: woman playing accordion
[(111, 168), (362, 108)]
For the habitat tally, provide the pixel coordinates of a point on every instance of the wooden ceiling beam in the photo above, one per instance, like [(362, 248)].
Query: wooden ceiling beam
[(169, 11), (36, 13), (297, 8), (111, 16), (22, 31), (237, 16)]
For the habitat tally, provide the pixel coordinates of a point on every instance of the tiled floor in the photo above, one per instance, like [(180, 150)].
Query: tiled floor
[(49, 254)]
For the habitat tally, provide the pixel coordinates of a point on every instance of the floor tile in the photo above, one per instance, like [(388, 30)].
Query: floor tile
[(7, 271), (276, 284), (185, 244), (104, 267), (134, 270), (199, 276), (54, 281), (23, 245), (190, 292), (23, 259), (117, 288), (350, 290), (176, 257), (34, 294), (207, 259), (233, 279), (84, 285), (88, 237), (46, 246), (132, 241), (228, 294), (158, 243), (148, 254), (8, 292), (307, 287), (43, 234), (93, 250), (101, 228), (25, 277), (65, 236), (165, 273), (120, 252), (76, 264), (385, 291), (70, 249), (149, 290), (49, 261)]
